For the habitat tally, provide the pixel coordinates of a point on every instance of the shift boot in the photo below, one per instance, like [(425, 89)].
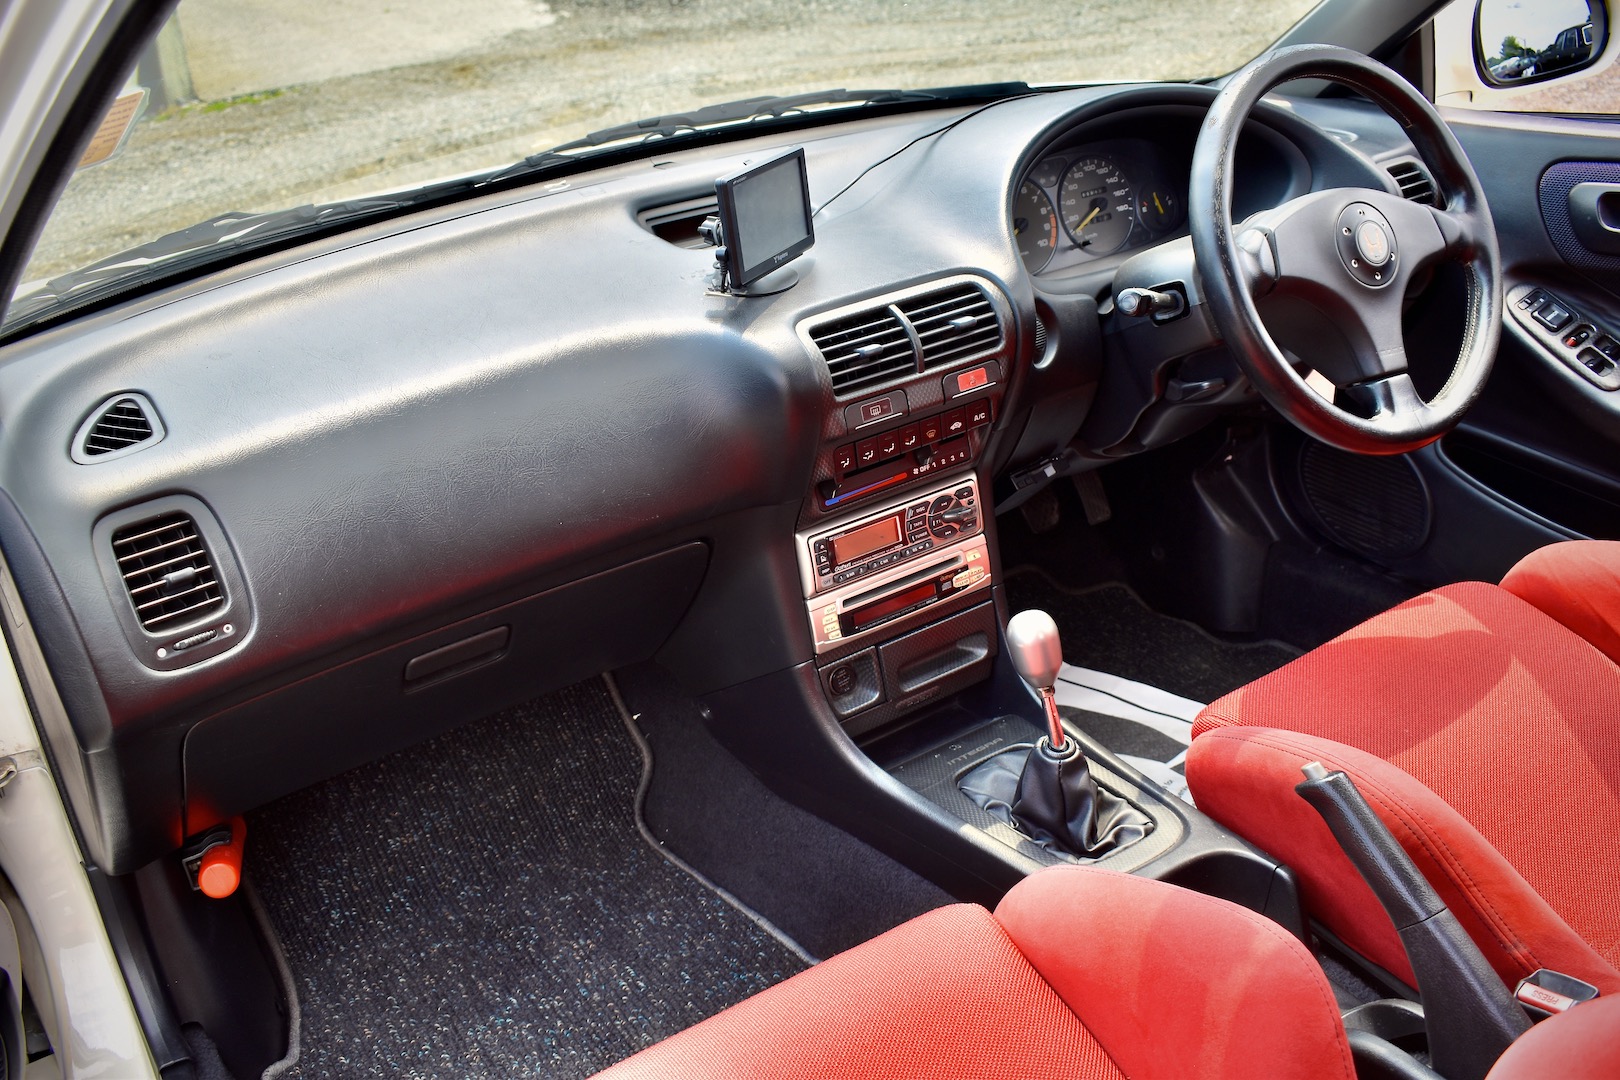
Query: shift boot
[(1058, 802)]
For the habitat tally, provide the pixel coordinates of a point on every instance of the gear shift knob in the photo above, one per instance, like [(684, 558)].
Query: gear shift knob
[(1032, 639)]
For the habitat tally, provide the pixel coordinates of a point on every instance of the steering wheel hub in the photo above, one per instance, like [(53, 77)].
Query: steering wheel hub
[(1366, 243)]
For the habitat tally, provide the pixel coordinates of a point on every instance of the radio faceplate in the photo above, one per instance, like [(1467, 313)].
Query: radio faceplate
[(866, 605), (893, 535)]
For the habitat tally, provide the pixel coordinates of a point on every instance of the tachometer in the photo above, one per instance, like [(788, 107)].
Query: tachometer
[(1095, 201), (1035, 224)]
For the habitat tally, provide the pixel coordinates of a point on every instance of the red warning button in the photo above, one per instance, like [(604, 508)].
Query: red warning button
[(972, 380)]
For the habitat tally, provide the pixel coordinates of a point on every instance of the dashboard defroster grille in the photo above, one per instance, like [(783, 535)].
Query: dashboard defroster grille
[(953, 324), (167, 571), (865, 348)]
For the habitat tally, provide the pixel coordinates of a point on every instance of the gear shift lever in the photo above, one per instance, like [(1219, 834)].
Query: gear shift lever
[(1032, 639), (1056, 800)]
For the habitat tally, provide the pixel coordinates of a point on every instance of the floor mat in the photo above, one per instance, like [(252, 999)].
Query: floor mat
[(483, 905)]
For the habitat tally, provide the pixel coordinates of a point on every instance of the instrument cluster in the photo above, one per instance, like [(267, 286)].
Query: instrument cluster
[(1075, 206)]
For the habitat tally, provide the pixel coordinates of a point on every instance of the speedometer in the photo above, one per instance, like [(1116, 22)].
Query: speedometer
[(1035, 224), (1095, 202)]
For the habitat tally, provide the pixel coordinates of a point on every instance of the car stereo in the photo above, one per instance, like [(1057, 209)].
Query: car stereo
[(871, 570)]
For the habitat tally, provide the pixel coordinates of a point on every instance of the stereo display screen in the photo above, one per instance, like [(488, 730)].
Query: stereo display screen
[(859, 543)]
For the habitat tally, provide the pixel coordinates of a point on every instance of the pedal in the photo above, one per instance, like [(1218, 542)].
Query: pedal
[(1042, 511), (1093, 498)]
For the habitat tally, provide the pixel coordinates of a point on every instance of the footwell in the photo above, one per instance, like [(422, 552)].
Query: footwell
[(483, 905)]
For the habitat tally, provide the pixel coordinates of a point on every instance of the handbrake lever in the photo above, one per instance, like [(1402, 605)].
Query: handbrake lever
[(1468, 1012)]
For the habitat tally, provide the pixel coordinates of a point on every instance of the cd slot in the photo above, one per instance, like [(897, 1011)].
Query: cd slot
[(899, 583)]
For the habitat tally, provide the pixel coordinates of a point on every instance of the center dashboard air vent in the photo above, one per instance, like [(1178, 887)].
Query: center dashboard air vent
[(952, 324), (865, 348), (1414, 181), (176, 588), (921, 330)]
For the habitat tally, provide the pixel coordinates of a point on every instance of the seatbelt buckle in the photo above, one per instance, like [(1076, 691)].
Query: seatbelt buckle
[(1546, 993)]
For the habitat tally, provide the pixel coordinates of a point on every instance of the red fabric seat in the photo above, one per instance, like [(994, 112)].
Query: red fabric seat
[(1577, 583), (1483, 731), (1080, 973)]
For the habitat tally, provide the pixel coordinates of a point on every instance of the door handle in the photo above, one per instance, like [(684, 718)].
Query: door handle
[(1594, 214)]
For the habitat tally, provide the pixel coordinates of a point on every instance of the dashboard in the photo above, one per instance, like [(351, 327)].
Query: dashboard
[(447, 462)]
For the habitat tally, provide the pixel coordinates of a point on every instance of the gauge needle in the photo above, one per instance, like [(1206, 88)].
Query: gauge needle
[(1095, 210), (1157, 203)]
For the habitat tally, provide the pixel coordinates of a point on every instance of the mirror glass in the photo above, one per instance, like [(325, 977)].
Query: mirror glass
[(1525, 41)]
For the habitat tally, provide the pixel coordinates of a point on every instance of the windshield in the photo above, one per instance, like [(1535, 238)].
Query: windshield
[(249, 106)]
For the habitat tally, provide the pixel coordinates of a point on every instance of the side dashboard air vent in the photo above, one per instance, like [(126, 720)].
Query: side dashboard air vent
[(953, 324), (167, 571), (1414, 181), (119, 425), (865, 348)]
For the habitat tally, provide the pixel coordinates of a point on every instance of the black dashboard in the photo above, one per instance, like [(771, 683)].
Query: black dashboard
[(452, 460)]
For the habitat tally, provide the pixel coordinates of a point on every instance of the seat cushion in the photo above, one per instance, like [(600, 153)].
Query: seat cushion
[(1581, 1044), (1081, 973), (1578, 584), (1489, 704)]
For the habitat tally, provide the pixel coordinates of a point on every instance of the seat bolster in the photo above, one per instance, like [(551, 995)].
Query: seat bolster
[(1244, 777), (1175, 984), (1582, 1044), (946, 994), (1577, 582)]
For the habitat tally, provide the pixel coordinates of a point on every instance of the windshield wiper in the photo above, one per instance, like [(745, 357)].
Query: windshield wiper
[(747, 111)]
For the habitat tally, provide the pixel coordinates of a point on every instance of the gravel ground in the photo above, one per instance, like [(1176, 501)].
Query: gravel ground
[(589, 63)]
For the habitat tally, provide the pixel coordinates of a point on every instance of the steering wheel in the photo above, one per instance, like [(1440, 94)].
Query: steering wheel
[(1349, 254)]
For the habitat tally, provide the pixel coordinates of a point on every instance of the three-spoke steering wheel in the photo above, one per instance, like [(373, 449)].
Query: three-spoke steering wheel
[(1351, 254)]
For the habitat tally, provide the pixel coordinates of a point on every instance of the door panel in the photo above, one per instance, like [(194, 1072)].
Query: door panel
[(1538, 457)]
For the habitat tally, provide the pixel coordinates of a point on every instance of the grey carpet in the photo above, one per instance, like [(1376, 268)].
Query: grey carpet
[(483, 905), (1109, 629)]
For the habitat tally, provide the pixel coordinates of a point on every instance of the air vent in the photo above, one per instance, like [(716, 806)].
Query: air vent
[(677, 223), (1414, 182), (865, 348), (120, 425), (123, 424), (953, 324), (167, 571)]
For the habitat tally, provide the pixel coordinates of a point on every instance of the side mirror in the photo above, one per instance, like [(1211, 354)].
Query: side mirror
[(1517, 43)]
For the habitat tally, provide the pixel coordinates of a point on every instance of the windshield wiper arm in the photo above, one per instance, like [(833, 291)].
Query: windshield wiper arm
[(747, 110)]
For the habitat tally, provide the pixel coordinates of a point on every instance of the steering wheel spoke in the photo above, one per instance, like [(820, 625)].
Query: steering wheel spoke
[(1392, 399), (1464, 232)]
